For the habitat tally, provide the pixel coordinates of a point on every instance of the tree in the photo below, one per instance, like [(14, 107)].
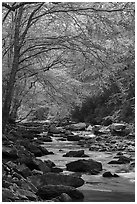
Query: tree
[(87, 39)]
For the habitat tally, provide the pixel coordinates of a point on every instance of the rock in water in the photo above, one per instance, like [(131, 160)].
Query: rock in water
[(79, 153), (90, 128), (56, 170), (52, 191), (84, 166), (45, 151), (108, 174), (56, 179), (77, 126), (121, 160), (54, 129), (73, 138), (65, 198), (46, 139), (117, 128)]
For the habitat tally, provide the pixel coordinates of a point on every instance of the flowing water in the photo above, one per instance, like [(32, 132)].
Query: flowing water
[(96, 187)]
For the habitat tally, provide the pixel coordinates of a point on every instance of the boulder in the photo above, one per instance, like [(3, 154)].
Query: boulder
[(27, 135), (28, 160), (96, 128), (90, 128), (108, 174), (5, 184), (89, 136), (17, 176), (56, 179), (81, 142), (37, 164), (73, 138), (42, 166), (11, 164), (30, 195), (31, 147), (52, 191), (94, 148), (49, 163), (67, 132), (118, 128), (45, 151), (77, 126), (39, 142), (119, 153), (61, 139), (99, 138), (46, 139), (132, 166), (84, 166), (94, 172), (24, 153), (65, 198), (104, 130), (23, 170), (9, 152), (53, 129), (8, 195), (35, 149), (131, 136), (56, 170), (24, 142), (79, 153), (37, 172), (27, 185), (121, 160)]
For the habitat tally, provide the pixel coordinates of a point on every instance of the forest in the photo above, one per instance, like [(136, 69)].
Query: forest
[(64, 65)]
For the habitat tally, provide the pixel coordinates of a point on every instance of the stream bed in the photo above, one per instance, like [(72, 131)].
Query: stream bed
[(96, 187)]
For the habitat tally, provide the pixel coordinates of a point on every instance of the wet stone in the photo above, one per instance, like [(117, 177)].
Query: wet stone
[(52, 191), (108, 174), (84, 166)]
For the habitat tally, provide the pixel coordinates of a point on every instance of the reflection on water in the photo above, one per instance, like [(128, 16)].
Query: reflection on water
[(104, 196), (96, 187)]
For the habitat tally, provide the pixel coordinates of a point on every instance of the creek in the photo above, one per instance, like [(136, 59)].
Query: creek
[(96, 187)]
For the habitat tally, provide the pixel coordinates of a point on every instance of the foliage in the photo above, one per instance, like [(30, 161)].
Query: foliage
[(41, 113), (60, 54), (114, 102)]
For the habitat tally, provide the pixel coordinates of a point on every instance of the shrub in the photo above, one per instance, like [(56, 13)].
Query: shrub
[(111, 102)]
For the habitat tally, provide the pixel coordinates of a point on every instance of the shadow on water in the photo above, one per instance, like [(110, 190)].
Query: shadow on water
[(101, 196)]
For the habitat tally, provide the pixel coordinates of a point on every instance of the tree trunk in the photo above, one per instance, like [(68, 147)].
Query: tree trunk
[(12, 78), (9, 91)]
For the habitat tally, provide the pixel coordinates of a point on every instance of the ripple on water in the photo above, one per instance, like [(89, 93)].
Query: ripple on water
[(96, 187)]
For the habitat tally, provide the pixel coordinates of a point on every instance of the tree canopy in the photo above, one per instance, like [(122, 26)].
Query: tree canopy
[(56, 54)]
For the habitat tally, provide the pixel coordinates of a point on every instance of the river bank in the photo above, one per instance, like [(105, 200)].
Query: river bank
[(32, 155)]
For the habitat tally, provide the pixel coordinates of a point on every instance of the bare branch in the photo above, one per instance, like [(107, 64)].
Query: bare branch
[(14, 7), (30, 22), (40, 52), (79, 9)]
